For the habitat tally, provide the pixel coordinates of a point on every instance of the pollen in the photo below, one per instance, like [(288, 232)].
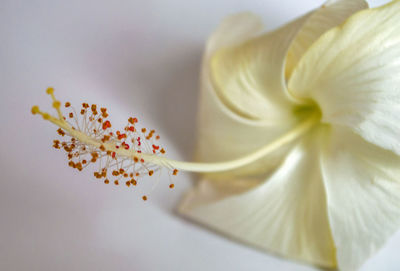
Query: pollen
[(35, 109), (88, 141), (56, 104)]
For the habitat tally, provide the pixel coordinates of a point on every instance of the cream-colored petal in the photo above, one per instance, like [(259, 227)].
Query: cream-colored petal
[(224, 134), (286, 214), (363, 191), (233, 30), (331, 14), (353, 73), (249, 78)]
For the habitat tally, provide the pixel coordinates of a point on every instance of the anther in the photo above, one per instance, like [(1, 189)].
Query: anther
[(80, 153), (60, 132)]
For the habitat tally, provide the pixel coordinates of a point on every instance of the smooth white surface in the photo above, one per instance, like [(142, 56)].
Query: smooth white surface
[(138, 58)]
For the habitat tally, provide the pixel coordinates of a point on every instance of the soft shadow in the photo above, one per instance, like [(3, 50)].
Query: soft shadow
[(237, 242), (177, 103)]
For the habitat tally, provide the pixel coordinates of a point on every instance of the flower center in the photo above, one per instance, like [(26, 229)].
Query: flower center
[(304, 111)]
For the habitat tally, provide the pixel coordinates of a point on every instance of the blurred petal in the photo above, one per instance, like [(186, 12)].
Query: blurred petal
[(249, 78), (331, 14), (233, 30), (286, 214), (222, 133), (353, 73), (363, 192)]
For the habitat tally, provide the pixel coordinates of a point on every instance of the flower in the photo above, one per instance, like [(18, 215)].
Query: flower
[(331, 197), (298, 135)]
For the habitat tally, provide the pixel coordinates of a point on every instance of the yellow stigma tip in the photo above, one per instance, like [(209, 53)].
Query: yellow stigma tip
[(56, 104), (50, 90), (35, 109), (46, 116)]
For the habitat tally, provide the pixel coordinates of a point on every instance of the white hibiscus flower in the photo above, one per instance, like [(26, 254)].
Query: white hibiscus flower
[(298, 136)]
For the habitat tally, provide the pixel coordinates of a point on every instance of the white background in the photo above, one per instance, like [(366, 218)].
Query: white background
[(139, 58)]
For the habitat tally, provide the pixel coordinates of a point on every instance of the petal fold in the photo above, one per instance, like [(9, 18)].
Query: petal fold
[(353, 73), (286, 214), (249, 78), (331, 14), (223, 133), (363, 192)]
